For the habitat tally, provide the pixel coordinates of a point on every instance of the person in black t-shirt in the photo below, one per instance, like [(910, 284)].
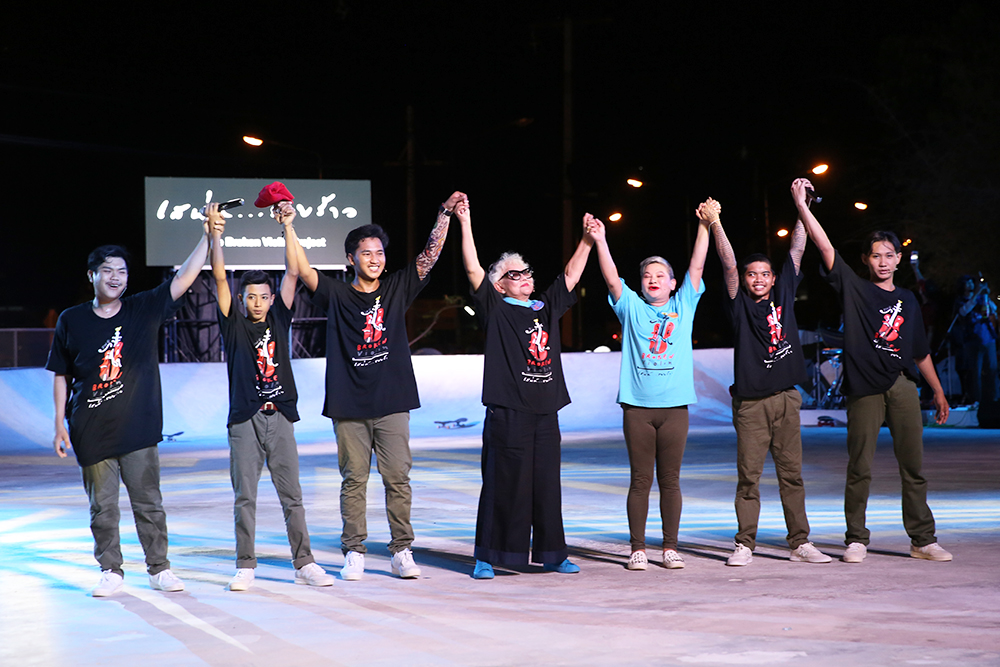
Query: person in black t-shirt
[(107, 381), (370, 387), (768, 363), (262, 399), (883, 337), (523, 389)]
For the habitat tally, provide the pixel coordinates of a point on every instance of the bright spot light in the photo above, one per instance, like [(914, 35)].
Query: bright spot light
[(782, 233), (634, 182), (860, 205), (820, 169), (470, 311), (907, 242), (253, 141), (615, 217)]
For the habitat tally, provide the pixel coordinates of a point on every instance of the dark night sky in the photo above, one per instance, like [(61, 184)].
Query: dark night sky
[(708, 99)]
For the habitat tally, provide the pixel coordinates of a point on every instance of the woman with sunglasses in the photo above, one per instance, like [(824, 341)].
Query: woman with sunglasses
[(520, 506), (656, 382)]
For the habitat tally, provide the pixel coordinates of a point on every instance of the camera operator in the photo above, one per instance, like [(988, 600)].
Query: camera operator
[(976, 330)]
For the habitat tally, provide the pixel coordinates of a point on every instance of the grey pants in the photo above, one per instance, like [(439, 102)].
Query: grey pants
[(140, 471), (271, 439), (899, 407), (389, 437), (770, 425)]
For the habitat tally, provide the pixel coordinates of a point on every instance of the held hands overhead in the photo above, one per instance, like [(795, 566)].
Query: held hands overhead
[(214, 223), (799, 191), (454, 199), (283, 212), (593, 228), (463, 210), (708, 211)]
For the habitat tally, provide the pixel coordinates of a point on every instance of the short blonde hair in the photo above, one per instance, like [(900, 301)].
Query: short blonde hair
[(655, 259)]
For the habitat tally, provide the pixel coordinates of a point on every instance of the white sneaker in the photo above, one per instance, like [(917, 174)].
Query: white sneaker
[(354, 566), (930, 552), (808, 553), (742, 555), (855, 553), (109, 584), (243, 579), (672, 560), (403, 565), (637, 561), (165, 581), (313, 575)]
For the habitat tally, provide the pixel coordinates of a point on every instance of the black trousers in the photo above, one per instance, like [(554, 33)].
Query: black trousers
[(521, 492)]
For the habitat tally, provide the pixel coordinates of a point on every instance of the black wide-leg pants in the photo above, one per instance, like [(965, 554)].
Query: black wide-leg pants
[(521, 497)]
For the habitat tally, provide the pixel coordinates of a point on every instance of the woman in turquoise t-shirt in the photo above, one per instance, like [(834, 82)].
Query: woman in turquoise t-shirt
[(657, 379)]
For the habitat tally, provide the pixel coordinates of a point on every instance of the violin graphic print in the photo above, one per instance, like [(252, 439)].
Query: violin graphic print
[(537, 341), (892, 320)]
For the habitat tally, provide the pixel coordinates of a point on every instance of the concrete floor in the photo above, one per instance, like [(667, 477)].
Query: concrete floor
[(889, 610)]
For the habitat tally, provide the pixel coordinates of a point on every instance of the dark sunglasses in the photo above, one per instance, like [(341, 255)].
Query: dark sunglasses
[(517, 274)]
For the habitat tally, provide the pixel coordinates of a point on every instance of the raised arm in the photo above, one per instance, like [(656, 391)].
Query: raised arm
[(708, 212), (578, 262), (429, 255), (473, 269), (191, 267), (598, 234), (61, 441), (815, 231), (284, 213), (799, 238), (722, 246), (295, 254), (217, 225)]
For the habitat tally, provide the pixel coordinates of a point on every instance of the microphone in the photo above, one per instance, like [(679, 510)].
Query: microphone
[(811, 196), (232, 203)]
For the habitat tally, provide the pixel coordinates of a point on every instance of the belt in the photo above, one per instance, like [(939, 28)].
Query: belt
[(269, 408)]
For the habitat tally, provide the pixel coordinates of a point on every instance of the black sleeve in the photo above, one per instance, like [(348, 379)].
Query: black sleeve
[(839, 275), (558, 298), (282, 314), (321, 297), (485, 298), (59, 361)]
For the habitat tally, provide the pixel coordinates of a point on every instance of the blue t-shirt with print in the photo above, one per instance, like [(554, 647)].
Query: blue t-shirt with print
[(657, 368)]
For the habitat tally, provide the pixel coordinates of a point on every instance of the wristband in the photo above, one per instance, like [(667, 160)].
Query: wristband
[(442, 209)]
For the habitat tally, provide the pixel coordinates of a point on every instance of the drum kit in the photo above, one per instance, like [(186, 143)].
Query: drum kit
[(828, 369)]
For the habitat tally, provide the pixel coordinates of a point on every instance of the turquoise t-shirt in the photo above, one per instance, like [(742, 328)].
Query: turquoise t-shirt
[(657, 362)]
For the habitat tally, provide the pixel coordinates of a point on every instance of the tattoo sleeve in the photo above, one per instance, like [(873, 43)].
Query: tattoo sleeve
[(728, 258), (798, 248), (429, 255)]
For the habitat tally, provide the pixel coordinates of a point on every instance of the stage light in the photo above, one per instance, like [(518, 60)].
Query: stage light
[(782, 233), (615, 217), (907, 242), (470, 311), (820, 169), (860, 205), (253, 141), (634, 182)]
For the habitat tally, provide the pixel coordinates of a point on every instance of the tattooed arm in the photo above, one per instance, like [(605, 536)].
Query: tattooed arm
[(816, 232), (429, 255), (728, 258), (799, 238)]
